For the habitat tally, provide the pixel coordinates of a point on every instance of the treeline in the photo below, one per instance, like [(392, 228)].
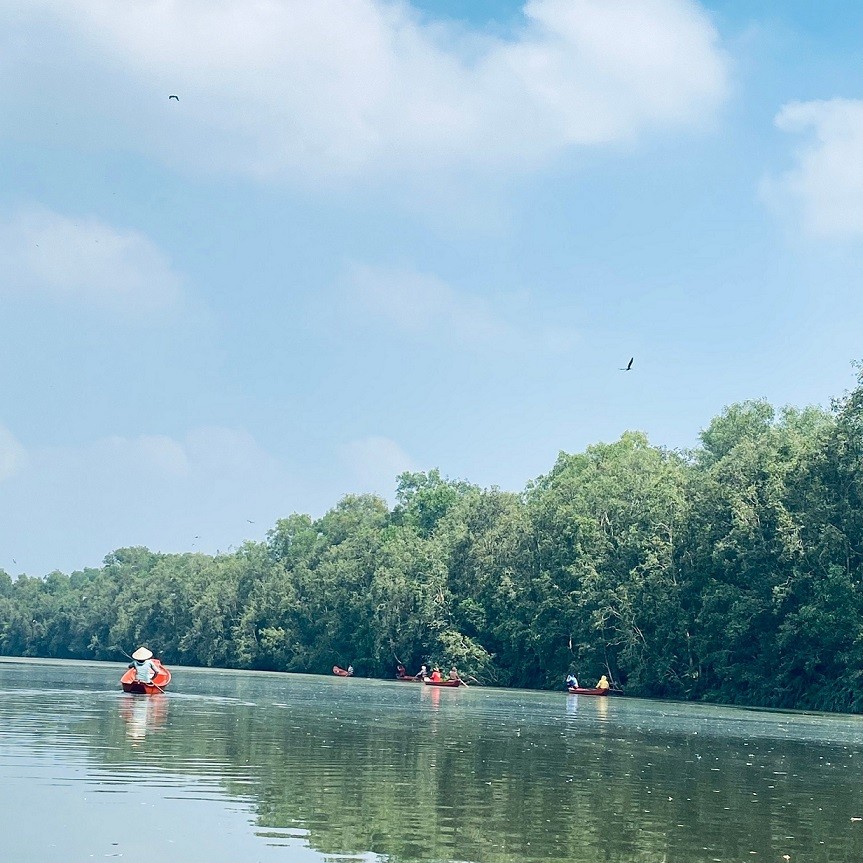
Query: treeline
[(730, 573)]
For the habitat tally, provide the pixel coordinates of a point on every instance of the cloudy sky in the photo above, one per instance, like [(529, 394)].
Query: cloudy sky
[(372, 236)]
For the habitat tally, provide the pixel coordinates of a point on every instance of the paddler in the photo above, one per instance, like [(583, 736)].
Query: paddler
[(142, 662)]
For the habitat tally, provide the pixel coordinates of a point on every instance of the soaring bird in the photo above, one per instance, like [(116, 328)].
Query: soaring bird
[(628, 365), (174, 97)]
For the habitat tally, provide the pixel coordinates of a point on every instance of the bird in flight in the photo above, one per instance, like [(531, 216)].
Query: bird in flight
[(249, 521), (628, 365), (174, 97)]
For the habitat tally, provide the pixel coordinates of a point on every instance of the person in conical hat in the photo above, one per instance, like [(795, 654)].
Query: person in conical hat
[(145, 669)]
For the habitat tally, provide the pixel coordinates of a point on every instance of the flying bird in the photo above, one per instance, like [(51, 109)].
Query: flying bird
[(628, 365), (249, 521), (174, 97)]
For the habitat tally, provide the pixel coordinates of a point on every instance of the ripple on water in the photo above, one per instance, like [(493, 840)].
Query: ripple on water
[(375, 770)]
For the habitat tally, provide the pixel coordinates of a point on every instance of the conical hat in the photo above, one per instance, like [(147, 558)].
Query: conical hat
[(141, 654)]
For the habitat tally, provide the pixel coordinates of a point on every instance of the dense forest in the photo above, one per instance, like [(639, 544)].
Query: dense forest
[(730, 573)]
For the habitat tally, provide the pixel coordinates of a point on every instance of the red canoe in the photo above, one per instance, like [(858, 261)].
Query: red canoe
[(407, 679), (584, 690), (443, 682), (342, 672), (161, 679)]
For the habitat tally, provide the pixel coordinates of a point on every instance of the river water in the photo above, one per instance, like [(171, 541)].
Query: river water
[(243, 766)]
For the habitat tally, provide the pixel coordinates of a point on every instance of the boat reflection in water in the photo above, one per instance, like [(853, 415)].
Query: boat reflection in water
[(142, 716), (432, 693), (602, 708), (598, 707)]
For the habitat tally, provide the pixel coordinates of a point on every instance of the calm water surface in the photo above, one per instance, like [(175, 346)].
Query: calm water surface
[(239, 766)]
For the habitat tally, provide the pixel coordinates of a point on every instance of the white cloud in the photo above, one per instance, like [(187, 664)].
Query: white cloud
[(210, 456), (84, 260), (422, 304), (825, 186), (67, 506), (157, 455), (375, 463), (348, 88), (13, 456)]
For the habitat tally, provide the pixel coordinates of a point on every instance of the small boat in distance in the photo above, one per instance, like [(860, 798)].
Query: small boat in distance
[(585, 690), (160, 680), (343, 672), (451, 683)]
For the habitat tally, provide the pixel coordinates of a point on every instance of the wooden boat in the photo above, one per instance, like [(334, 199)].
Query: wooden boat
[(429, 682), (342, 672), (408, 679), (585, 690), (161, 679)]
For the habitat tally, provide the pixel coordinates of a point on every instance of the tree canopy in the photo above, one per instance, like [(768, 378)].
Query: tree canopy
[(732, 572)]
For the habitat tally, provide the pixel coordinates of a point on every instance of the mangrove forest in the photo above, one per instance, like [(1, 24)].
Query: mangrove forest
[(731, 572)]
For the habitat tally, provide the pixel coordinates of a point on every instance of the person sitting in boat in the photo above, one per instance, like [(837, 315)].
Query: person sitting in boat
[(423, 673), (603, 683), (350, 670), (453, 673), (401, 672), (572, 680), (436, 675), (142, 662)]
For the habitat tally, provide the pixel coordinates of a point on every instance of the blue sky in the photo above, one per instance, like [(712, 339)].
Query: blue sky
[(375, 236)]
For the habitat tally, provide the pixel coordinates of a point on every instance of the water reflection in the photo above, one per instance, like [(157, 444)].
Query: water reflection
[(299, 766), (143, 714), (432, 695)]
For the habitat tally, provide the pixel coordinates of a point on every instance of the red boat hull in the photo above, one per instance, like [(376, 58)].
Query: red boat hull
[(138, 687), (451, 683), (583, 690), (342, 672)]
